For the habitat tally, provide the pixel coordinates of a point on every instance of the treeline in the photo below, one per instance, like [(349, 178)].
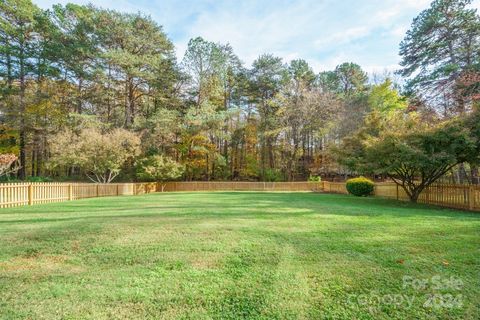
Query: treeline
[(86, 90)]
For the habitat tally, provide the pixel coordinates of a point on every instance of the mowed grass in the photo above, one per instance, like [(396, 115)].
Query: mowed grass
[(238, 255)]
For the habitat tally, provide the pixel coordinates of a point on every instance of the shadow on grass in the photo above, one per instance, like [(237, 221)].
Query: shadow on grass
[(229, 205)]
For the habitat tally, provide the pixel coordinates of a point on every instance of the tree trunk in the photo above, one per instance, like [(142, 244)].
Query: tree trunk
[(79, 97), (271, 159), (33, 161), (263, 158), (129, 103), (474, 174), (39, 162), (22, 129), (414, 197), (462, 173), (9, 70)]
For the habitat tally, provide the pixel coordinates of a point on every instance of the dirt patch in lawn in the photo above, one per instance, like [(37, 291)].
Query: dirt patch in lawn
[(39, 264)]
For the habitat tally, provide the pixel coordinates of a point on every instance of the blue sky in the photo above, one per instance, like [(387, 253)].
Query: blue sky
[(323, 32)]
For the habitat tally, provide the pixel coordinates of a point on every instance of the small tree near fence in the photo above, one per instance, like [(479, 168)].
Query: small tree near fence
[(100, 155), (159, 168), (413, 155)]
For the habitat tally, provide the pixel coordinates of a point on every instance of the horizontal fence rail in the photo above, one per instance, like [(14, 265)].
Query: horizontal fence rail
[(19, 194)]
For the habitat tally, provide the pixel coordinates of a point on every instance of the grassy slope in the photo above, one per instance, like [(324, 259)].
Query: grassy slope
[(232, 255)]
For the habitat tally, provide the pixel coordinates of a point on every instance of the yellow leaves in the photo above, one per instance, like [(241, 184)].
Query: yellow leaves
[(44, 109), (386, 99), (93, 150), (250, 136), (7, 159)]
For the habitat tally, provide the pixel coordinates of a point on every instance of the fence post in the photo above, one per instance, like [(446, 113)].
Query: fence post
[(70, 192), (398, 193), (30, 194), (118, 189), (98, 187), (471, 198)]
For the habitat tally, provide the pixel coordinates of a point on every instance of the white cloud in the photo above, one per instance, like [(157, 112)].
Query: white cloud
[(399, 31), (476, 4), (331, 62), (323, 32), (280, 31), (343, 36), (381, 69)]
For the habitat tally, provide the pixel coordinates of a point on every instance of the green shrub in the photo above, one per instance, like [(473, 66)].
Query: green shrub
[(39, 179), (272, 175), (360, 187), (28, 179), (159, 168), (315, 179)]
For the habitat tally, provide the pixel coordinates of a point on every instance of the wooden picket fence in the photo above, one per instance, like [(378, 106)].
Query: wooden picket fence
[(20, 194), (242, 186), (466, 197), (335, 187), (446, 195)]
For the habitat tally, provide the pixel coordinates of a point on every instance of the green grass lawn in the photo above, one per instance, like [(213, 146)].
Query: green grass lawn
[(239, 255)]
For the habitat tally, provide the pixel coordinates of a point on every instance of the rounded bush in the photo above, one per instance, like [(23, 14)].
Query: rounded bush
[(360, 187)]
